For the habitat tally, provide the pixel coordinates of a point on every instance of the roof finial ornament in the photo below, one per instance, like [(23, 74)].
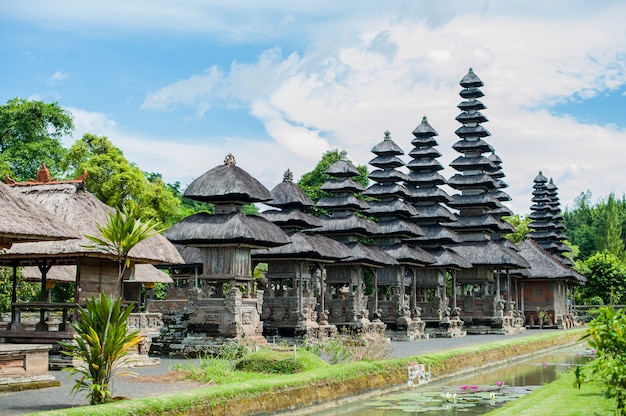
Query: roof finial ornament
[(387, 135), (343, 155), (230, 159), (288, 176), (425, 120)]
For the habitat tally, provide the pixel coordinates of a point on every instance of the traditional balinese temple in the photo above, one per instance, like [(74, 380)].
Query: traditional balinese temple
[(345, 297), (293, 303), (484, 293), (25, 366), (548, 285), (396, 284), (423, 183), (226, 305), (96, 269)]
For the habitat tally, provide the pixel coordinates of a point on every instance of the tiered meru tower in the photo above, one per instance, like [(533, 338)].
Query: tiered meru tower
[(546, 225), (293, 303), (423, 184), (486, 300), (396, 285), (226, 306), (345, 297)]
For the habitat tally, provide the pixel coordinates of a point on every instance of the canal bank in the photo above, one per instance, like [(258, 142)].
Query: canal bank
[(336, 384)]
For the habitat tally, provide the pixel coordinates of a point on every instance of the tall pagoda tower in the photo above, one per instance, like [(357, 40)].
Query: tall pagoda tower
[(487, 302), (345, 297), (546, 225), (423, 183), (396, 284), (226, 305), (293, 303)]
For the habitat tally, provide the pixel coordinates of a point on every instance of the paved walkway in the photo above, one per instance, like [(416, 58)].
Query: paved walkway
[(20, 403)]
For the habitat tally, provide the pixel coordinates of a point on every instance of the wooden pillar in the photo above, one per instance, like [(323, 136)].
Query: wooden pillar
[(14, 318), (508, 286)]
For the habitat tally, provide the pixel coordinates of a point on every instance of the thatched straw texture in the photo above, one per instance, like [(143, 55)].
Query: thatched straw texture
[(291, 218), (305, 247), (225, 184), (71, 203), (490, 253), (235, 228), (371, 256), (350, 224), (449, 258), (289, 195), (23, 220), (543, 265), (409, 255)]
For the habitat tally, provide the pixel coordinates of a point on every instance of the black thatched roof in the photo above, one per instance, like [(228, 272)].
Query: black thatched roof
[(390, 175), (312, 247), (543, 265), (342, 185), (407, 255), (289, 195), (227, 183), (71, 203), (342, 169), (490, 253), (448, 258), (342, 202), (291, 218), (203, 229), (436, 234), (23, 220), (396, 206), (371, 256), (350, 224)]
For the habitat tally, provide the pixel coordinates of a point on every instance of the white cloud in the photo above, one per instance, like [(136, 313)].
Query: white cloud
[(59, 76)]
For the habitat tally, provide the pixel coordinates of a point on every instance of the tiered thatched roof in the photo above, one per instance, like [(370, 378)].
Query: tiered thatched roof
[(543, 265), (22, 221), (144, 273), (71, 203)]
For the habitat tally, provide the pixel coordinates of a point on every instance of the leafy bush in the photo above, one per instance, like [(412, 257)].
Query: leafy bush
[(102, 340), (347, 347), (607, 335), (279, 361)]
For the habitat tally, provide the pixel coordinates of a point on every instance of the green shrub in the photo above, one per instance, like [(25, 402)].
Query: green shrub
[(279, 361), (607, 335)]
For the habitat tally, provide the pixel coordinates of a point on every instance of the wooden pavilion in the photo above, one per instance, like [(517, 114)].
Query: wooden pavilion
[(96, 270)]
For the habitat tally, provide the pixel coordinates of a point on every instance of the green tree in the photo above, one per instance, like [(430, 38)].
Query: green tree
[(606, 276), (520, 223), (120, 234), (102, 340), (610, 234), (581, 225), (30, 134), (119, 183), (311, 182)]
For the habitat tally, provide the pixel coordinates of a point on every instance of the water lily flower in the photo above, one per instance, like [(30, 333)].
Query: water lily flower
[(492, 396), (464, 387), (473, 388), (500, 384)]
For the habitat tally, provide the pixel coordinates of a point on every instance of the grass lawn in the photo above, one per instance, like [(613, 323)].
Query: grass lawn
[(562, 399)]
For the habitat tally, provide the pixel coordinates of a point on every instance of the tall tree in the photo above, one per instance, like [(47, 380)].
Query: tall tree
[(119, 183), (310, 182), (30, 134), (520, 223), (610, 234), (581, 225), (606, 278)]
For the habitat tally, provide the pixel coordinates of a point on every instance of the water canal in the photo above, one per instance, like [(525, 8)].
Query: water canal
[(473, 394)]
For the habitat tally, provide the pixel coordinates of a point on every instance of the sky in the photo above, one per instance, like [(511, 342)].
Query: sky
[(177, 85)]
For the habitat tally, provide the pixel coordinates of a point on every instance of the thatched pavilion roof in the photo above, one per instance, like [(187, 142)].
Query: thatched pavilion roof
[(448, 258), (71, 203), (144, 273), (204, 229), (489, 253), (544, 265), (227, 183), (312, 247), (23, 220)]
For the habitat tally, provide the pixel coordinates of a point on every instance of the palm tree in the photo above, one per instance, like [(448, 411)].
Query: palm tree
[(102, 336), (121, 233)]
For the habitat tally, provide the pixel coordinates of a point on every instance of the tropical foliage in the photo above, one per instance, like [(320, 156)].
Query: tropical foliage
[(607, 335), (102, 341), (120, 234)]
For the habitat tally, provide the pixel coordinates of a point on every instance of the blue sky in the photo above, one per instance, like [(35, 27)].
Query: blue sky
[(178, 85)]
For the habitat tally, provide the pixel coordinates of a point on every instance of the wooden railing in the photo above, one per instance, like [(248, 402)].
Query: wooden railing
[(43, 308)]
